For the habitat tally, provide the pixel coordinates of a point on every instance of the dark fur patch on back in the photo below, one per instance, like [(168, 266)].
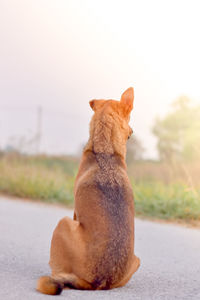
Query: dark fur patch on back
[(114, 207)]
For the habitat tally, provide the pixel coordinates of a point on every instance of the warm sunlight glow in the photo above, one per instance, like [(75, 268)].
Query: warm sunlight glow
[(61, 54)]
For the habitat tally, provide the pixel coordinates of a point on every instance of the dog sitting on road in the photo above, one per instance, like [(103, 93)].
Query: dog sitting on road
[(95, 250)]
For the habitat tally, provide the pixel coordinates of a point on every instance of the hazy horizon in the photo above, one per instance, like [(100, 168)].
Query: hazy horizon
[(61, 54)]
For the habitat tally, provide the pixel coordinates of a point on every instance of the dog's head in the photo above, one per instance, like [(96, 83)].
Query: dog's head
[(110, 121)]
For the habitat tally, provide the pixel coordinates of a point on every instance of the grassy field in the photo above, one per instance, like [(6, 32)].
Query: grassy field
[(161, 191), (46, 178), (164, 191)]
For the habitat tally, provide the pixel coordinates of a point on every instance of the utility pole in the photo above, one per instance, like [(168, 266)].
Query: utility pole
[(0, 140), (38, 136)]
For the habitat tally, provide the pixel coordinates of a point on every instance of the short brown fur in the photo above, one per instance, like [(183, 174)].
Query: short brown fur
[(96, 249)]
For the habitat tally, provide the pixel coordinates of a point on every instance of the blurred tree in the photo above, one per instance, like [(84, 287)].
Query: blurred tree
[(135, 150), (178, 133)]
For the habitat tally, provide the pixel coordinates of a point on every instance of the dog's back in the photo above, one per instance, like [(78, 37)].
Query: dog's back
[(115, 202), (110, 227)]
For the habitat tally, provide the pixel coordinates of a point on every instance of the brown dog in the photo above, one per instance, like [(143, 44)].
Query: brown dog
[(96, 249)]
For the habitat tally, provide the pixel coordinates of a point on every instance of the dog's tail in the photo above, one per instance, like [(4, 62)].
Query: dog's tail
[(54, 285), (48, 285)]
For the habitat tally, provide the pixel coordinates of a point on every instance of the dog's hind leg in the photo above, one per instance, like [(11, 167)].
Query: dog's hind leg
[(67, 247), (67, 258)]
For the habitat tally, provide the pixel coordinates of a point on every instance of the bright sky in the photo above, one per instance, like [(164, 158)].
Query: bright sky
[(60, 54)]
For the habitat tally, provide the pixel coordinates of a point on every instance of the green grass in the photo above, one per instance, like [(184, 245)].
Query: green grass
[(170, 202), (157, 194), (44, 178)]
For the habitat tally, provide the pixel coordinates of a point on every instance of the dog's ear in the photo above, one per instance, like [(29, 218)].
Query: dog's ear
[(96, 104), (127, 100)]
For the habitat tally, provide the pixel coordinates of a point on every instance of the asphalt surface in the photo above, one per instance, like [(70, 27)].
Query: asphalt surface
[(170, 256)]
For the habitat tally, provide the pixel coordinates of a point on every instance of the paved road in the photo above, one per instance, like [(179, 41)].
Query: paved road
[(170, 257)]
